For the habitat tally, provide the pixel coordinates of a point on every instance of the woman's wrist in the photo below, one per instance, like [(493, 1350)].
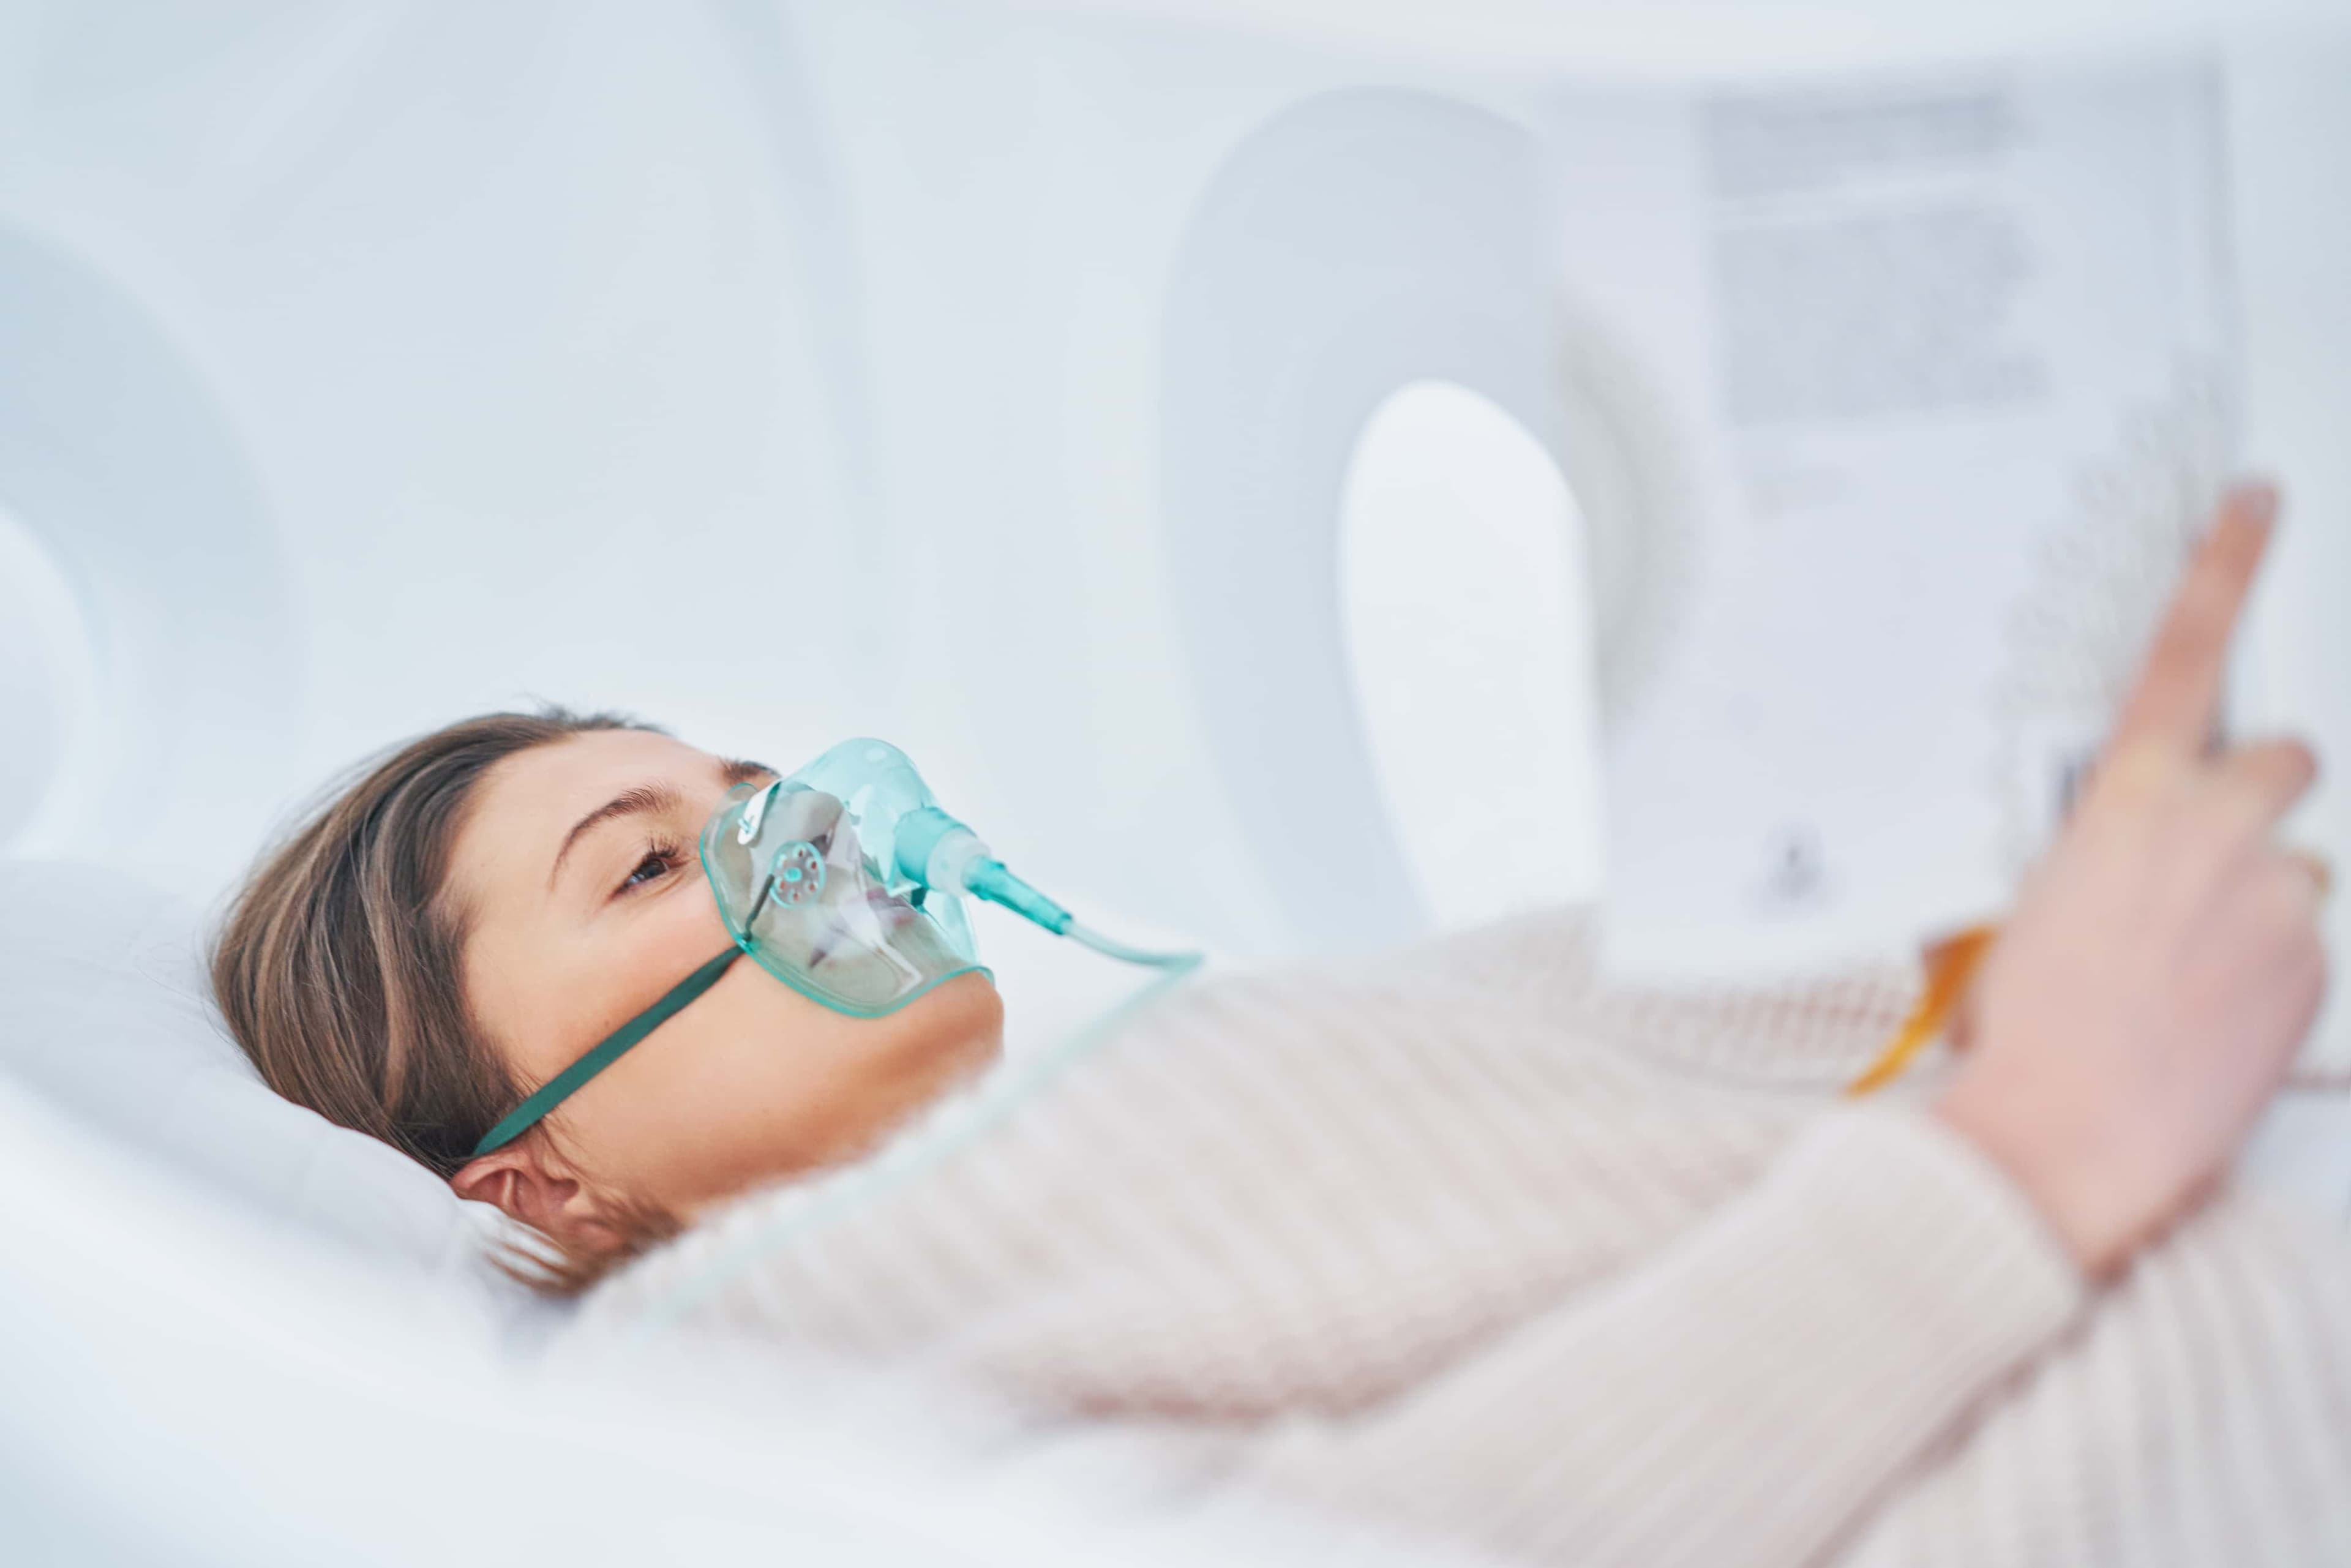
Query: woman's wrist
[(2080, 1196)]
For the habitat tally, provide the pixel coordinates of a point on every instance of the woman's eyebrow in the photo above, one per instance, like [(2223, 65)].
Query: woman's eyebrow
[(645, 800), (737, 770)]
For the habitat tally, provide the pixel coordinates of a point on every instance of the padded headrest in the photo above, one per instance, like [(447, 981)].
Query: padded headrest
[(105, 1012)]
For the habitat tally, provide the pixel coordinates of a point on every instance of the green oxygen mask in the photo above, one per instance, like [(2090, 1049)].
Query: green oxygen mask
[(846, 882)]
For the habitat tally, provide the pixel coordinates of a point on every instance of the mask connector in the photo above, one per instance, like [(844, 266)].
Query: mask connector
[(988, 880), (938, 851)]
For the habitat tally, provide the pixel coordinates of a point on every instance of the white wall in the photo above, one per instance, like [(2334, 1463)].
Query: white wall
[(784, 371)]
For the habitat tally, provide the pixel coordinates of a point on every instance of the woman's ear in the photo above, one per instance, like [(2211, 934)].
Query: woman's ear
[(532, 1183)]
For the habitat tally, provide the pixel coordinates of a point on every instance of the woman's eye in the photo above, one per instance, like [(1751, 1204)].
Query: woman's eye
[(657, 863)]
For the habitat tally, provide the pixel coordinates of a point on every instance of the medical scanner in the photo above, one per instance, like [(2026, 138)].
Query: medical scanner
[(364, 365)]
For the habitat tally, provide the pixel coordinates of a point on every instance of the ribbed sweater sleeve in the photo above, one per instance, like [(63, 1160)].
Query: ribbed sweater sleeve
[(1753, 1387), (1474, 1248)]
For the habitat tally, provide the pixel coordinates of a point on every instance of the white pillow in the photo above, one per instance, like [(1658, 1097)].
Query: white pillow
[(105, 1012)]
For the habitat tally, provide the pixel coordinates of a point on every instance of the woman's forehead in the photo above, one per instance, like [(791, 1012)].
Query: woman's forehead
[(526, 805), (582, 772)]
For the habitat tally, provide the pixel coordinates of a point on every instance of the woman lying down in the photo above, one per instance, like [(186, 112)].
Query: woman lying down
[(1462, 1241)]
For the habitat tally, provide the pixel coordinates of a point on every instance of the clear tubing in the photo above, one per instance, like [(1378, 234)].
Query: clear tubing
[(1085, 937), (990, 880)]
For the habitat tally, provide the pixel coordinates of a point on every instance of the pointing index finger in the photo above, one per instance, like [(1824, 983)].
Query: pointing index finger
[(2177, 695)]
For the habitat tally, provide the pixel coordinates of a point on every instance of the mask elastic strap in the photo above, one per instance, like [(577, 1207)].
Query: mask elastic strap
[(560, 1087)]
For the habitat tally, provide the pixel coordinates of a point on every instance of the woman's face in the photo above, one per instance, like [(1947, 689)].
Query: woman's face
[(584, 901)]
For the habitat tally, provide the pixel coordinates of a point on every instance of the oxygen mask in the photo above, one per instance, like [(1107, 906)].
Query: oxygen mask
[(846, 882)]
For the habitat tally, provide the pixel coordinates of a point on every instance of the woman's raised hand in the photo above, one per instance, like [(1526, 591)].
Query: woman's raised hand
[(2147, 994)]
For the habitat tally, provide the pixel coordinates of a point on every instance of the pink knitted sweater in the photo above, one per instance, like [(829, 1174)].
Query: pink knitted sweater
[(1466, 1242)]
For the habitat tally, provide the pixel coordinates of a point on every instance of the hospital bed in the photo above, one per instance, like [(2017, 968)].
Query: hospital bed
[(237, 1334)]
